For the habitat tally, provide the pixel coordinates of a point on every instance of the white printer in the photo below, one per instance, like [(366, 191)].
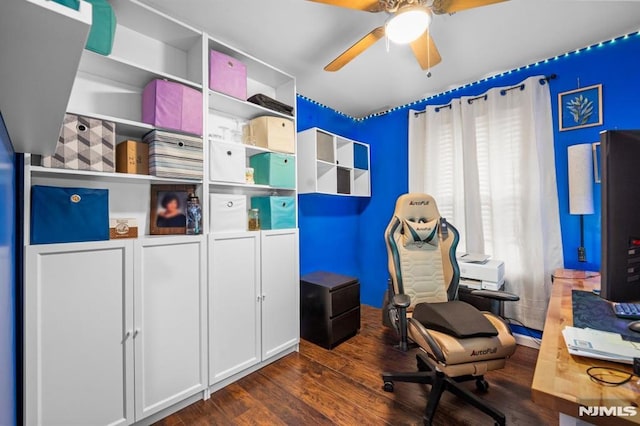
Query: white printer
[(480, 272)]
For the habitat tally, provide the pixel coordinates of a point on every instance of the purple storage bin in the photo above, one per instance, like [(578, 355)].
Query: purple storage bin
[(170, 105), (227, 75)]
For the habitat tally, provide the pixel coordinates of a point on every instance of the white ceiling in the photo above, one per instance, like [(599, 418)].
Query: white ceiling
[(301, 37)]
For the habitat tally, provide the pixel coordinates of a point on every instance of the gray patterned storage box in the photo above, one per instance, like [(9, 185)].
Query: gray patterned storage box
[(84, 144)]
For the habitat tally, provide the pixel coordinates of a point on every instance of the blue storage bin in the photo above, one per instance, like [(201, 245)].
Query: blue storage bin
[(275, 212), (66, 215), (360, 156), (103, 27), (274, 169)]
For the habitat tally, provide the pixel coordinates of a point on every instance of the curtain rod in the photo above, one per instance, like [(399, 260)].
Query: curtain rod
[(544, 80)]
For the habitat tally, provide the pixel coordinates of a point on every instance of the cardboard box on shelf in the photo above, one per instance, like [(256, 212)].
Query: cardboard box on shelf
[(132, 157), (274, 133)]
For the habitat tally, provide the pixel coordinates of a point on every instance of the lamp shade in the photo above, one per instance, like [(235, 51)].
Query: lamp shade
[(580, 179)]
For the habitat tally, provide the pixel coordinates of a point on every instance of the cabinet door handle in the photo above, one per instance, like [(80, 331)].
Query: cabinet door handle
[(136, 332), (127, 334), (263, 297), (258, 299)]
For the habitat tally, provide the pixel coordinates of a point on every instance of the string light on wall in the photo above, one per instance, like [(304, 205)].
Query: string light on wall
[(299, 96), (467, 85)]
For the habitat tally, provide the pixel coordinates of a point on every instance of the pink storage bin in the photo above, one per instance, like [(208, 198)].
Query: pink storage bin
[(227, 75), (171, 105)]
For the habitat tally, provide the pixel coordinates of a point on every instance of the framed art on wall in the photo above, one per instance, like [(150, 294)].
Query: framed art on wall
[(580, 108), (168, 214)]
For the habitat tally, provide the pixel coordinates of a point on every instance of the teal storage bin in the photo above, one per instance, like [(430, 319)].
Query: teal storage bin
[(73, 4), (360, 156), (273, 169), (275, 212), (103, 28)]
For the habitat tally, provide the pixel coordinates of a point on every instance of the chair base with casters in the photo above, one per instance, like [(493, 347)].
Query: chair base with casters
[(448, 357), (439, 384)]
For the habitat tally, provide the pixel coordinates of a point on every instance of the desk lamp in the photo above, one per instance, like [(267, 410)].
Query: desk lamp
[(581, 187)]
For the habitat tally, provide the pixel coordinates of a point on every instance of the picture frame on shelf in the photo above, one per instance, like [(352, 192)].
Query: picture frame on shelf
[(580, 108), (168, 214)]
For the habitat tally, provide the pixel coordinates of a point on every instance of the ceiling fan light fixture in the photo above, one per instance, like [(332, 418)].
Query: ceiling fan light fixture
[(408, 24)]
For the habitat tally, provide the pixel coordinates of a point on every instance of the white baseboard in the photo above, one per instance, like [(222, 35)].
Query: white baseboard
[(528, 341)]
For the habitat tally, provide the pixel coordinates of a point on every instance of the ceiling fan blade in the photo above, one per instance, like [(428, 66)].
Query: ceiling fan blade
[(366, 5), (426, 51), (451, 6), (360, 46)]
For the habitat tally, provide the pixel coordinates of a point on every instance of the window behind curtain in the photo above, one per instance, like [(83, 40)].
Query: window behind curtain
[(443, 177), (506, 175), (444, 193)]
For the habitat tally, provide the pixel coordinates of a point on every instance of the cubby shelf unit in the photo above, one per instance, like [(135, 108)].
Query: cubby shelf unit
[(332, 164)]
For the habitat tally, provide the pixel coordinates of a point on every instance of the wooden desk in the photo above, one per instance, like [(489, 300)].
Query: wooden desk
[(560, 380)]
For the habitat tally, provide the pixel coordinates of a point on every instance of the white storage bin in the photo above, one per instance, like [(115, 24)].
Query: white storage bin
[(228, 212), (228, 163)]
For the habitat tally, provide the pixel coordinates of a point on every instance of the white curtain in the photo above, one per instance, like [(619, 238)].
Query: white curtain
[(501, 179), (444, 178)]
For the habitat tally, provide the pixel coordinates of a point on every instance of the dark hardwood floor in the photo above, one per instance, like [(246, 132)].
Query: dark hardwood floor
[(343, 386)]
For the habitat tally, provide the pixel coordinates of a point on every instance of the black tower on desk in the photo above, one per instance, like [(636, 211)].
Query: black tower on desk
[(620, 164)]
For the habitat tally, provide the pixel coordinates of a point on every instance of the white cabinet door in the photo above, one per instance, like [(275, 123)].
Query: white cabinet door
[(170, 321), (280, 291), (234, 303), (78, 321)]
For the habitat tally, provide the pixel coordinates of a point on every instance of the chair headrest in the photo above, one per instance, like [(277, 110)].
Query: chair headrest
[(415, 207)]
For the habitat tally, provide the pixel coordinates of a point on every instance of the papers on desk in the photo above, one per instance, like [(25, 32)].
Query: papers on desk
[(600, 345)]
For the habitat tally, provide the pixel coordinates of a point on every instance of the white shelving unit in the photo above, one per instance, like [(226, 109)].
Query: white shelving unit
[(148, 45), (234, 114), (260, 266), (332, 164), (144, 277)]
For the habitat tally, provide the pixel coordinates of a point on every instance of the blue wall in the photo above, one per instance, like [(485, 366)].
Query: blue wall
[(616, 65), (7, 281), (329, 231)]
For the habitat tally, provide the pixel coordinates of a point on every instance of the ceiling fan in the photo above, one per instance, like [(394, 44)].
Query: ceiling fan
[(408, 24)]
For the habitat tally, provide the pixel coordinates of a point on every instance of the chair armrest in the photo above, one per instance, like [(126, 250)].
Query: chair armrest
[(401, 301), (495, 295)]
